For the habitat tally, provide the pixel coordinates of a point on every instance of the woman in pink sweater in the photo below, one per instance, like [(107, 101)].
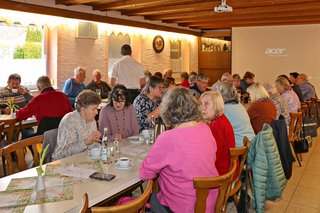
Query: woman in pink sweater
[(186, 151)]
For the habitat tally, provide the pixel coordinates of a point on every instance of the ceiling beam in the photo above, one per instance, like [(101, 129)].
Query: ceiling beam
[(240, 11), (288, 14), (77, 2), (204, 5), (140, 4), (31, 8), (250, 22)]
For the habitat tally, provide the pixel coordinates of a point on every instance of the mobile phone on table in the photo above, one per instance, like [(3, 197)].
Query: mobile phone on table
[(102, 176)]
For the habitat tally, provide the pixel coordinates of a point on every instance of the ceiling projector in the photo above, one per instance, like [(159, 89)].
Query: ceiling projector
[(223, 8)]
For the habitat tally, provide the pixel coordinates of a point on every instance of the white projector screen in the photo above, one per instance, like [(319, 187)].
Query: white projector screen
[(272, 51)]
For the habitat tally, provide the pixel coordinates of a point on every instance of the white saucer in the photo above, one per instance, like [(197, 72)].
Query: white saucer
[(124, 168)]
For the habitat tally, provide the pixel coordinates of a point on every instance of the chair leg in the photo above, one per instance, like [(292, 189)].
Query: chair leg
[(300, 156), (295, 154), (235, 199)]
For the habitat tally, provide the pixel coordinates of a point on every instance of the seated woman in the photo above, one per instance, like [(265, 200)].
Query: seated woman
[(186, 151), (236, 113), (212, 107), (78, 129), (284, 88), (280, 102), (119, 116), (262, 109), (147, 104)]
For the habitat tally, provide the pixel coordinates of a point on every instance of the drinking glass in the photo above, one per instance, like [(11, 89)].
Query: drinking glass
[(98, 91)]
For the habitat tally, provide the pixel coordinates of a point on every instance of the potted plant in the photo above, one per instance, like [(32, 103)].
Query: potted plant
[(12, 106)]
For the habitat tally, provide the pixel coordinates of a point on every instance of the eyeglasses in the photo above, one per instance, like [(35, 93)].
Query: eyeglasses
[(160, 87), (122, 101)]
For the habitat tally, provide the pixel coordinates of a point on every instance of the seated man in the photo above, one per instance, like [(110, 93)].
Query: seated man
[(21, 98), (99, 86), (73, 86), (49, 103), (226, 77), (306, 87), (200, 85), (14, 90)]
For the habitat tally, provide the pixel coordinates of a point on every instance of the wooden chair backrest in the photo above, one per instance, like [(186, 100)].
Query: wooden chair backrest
[(85, 204), (11, 128), (295, 126), (203, 185), (240, 155), (132, 207), (1, 130), (19, 148)]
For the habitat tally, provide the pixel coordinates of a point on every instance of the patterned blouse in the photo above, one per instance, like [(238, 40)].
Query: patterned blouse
[(282, 107), (144, 105), (73, 131)]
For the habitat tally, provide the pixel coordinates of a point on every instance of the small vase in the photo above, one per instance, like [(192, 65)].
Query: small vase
[(11, 113), (40, 184)]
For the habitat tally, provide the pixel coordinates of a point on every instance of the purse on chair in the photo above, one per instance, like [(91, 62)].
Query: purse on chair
[(301, 145)]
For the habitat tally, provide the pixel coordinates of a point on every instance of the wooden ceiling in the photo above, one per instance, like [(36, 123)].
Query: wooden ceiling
[(198, 14), (194, 17)]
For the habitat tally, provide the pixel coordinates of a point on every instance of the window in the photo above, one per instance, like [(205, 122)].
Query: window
[(22, 52), (175, 56), (114, 49)]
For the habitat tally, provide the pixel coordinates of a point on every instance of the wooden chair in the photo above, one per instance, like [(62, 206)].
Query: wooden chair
[(11, 123), (295, 129), (19, 148), (239, 155), (131, 207), (203, 185), (85, 204)]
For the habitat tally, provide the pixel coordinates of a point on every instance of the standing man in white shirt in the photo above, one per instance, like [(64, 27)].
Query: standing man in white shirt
[(128, 72)]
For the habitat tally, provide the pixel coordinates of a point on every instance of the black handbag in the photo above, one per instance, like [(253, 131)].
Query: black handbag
[(301, 145)]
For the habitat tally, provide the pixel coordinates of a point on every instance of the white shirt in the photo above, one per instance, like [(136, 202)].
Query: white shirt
[(128, 72)]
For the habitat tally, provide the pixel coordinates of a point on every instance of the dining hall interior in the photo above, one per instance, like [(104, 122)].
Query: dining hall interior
[(146, 144)]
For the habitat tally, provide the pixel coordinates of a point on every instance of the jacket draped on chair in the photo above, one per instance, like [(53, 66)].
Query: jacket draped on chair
[(268, 176)]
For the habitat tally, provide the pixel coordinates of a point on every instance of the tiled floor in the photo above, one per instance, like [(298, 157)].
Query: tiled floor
[(302, 193)]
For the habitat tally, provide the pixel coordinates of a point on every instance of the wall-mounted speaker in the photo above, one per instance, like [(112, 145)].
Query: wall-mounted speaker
[(87, 30)]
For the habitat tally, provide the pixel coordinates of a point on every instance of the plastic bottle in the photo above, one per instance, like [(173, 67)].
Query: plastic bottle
[(104, 152)]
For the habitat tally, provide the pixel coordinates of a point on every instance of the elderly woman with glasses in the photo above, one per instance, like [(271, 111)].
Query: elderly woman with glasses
[(78, 129), (186, 151), (212, 107), (147, 104), (119, 116)]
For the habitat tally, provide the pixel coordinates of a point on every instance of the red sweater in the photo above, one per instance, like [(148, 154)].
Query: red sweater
[(261, 112), (223, 133), (50, 103), (185, 83)]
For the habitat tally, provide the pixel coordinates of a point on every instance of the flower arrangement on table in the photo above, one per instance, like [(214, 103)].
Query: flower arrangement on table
[(40, 182), (10, 103)]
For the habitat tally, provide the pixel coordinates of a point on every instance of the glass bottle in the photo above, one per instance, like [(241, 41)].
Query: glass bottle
[(151, 130), (104, 152)]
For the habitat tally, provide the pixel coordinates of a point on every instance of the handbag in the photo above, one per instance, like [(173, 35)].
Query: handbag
[(301, 145)]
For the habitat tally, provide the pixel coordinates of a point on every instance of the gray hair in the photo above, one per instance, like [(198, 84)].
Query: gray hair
[(228, 91), (257, 91), (87, 98), (78, 70), (217, 101), (225, 76), (179, 106), (43, 82), (96, 71), (192, 79), (201, 77)]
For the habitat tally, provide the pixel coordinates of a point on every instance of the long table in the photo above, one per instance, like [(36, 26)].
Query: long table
[(30, 122), (98, 190)]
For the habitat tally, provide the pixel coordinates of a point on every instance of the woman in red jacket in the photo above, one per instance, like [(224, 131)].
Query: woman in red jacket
[(212, 107)]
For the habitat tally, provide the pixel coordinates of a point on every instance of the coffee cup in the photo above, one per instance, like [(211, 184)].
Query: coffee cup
[(14, 90), (94, 153), (124, 162), (145, 134)]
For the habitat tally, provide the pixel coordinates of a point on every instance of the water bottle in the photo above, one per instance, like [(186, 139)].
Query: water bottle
[(104, 152), (151, 130)]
